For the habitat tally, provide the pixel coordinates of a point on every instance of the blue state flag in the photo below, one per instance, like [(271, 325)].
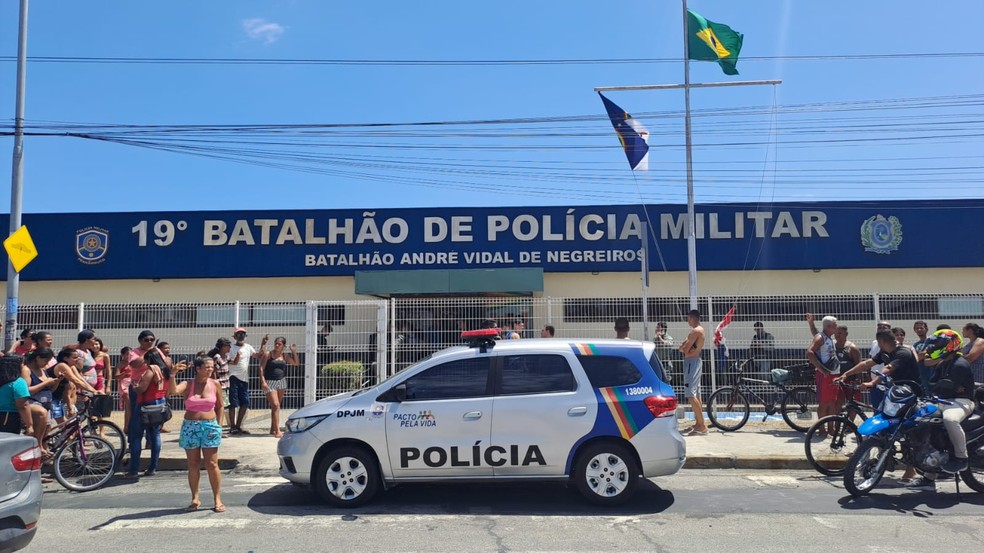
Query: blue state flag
[(633, 136)]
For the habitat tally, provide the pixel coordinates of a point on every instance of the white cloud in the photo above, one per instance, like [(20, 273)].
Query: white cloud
[(260, 29)]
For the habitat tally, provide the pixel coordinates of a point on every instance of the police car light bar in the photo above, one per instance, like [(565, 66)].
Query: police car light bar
[(483, 338), (479, 334)]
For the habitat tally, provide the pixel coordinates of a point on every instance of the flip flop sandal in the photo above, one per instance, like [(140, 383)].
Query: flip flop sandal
[(219, 508)]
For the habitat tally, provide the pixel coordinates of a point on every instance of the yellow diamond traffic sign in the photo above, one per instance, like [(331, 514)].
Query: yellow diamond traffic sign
[(20, 248)]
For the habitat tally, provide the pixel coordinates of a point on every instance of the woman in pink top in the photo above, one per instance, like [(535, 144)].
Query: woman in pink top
[(121, 373), (201, 433)]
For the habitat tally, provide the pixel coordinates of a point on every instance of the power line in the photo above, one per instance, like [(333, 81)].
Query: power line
[(128, 60)]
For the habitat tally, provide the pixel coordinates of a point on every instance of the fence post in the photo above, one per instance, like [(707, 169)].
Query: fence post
[(550, 319), (382, 340), (710, 319), (310, 351), (81, 317), (236, 322), (392, 336), (876, 299)]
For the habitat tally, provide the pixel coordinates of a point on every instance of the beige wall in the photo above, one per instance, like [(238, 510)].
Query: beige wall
[(764, 283), (725, 283), (190, 290)]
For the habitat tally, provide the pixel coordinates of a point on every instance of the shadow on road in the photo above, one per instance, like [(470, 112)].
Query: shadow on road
[(140, 516), (916, 503), (476, 499)]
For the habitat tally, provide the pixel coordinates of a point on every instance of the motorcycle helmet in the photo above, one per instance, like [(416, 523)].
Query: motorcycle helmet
[(942, 343)]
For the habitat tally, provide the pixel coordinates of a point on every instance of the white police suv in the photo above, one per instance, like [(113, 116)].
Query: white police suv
[(598, 413)]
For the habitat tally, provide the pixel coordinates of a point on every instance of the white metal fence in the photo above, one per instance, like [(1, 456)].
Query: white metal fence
[(346, 344)]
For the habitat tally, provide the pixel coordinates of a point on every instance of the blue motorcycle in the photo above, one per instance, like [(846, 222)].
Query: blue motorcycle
[(908, 430)]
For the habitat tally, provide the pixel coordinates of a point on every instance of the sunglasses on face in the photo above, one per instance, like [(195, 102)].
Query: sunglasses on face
[(147, 340)]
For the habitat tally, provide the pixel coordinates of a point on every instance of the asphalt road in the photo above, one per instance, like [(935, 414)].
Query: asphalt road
[(697, 510)]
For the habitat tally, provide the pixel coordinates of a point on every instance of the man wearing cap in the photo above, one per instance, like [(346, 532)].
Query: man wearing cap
[(239, 357)]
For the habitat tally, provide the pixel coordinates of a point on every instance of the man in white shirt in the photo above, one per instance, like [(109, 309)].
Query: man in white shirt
[(239, 357)]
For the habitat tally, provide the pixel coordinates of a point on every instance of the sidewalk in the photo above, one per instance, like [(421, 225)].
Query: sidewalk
[(758, 445)]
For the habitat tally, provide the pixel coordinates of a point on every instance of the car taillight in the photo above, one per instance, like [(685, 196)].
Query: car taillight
[(29, 459), (661, 406)]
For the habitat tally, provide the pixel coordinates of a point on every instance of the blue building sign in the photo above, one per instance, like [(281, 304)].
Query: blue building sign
[(231, 244)]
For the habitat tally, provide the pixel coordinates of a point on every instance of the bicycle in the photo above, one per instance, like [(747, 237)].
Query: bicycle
[(725, 403), (832, 440), (93, 426), (82, 462)]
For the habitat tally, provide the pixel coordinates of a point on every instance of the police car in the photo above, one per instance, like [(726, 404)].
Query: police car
[(596, 413)]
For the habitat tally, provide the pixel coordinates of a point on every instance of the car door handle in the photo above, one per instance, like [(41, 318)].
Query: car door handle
[(472, 415), (577, 411)]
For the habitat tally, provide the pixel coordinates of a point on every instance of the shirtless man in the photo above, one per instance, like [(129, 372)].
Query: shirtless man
[(692, 368)]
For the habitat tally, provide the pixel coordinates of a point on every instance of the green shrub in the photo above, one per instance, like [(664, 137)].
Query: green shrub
[(342, 376)]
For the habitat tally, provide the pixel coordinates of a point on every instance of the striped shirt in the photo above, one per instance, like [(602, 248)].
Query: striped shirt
[(222, 370)]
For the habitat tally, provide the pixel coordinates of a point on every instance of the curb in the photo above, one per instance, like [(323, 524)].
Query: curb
[(181, 464), (763, 462)]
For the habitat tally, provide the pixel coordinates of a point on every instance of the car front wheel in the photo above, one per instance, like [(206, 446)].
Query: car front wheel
[(347, 477), (606, 474)]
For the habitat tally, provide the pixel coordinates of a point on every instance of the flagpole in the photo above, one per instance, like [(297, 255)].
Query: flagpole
[(691, 223), (17, 174)]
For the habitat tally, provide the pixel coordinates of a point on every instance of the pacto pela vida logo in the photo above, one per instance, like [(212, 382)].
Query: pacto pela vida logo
[(423, 419), (91, 245), (881, 235)]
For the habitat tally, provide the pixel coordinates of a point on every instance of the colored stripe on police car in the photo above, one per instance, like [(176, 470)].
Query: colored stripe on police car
[(585, 349), (623, 418)]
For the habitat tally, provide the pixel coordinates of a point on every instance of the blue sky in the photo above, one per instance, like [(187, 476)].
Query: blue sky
[(772, 154)]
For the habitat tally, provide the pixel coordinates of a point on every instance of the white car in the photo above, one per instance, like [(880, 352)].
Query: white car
[(598, 413)]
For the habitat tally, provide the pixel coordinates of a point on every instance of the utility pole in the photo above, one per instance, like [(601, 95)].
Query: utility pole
[(17, 175)]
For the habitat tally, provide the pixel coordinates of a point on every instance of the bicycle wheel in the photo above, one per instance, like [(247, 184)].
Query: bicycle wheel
[(830, 442), (85, 463), (728, 409), (110, 432), (799, 408)]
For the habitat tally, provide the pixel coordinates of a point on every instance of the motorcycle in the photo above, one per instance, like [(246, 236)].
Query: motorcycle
[(908, 430)]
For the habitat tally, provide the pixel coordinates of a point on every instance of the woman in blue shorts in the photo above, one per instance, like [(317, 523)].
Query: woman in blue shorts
[(201, 433)]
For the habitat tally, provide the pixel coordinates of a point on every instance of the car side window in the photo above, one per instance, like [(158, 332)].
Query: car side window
[(606, 371), (535, 374), (459, 379)]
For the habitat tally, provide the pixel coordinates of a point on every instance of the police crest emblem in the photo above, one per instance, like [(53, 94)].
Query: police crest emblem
[(91, 245), (881, 235)]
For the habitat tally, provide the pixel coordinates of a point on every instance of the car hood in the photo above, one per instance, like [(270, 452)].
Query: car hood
[(325, 406)]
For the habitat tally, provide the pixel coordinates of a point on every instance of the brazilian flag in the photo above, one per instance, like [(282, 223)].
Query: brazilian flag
[(710, 41)]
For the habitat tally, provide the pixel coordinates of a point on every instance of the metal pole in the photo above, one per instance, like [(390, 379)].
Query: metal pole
[(17, 175), (676, 86), (691, 223), (645, 281), (311, 367)]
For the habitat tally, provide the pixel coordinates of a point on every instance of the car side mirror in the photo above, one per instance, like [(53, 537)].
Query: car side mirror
[(395, 394)]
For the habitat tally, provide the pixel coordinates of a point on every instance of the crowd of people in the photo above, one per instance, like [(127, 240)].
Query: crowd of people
[(946, 363), (216, 396)]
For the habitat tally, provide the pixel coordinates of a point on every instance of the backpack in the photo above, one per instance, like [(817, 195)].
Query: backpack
[(10, 368)]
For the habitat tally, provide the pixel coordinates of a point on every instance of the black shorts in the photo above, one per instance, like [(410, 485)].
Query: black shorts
[(11, 422)]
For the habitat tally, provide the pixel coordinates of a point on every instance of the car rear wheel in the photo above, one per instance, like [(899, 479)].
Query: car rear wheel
[(606, 473), (347, 477)]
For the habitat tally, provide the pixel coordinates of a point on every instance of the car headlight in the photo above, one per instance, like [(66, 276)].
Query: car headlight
[(303, 424)]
